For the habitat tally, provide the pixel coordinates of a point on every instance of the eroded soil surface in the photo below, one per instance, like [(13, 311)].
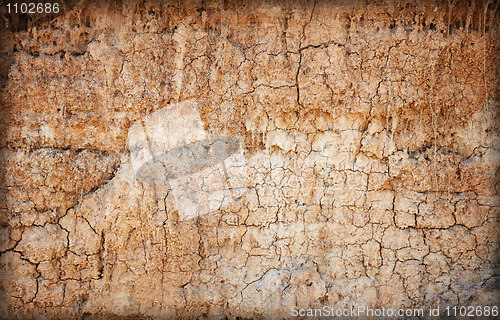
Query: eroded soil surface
[(368, 158)]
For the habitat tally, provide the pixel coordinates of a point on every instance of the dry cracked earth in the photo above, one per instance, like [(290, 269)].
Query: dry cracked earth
[(367, 138)]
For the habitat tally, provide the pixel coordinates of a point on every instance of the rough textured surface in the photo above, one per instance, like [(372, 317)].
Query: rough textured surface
[(370, 135)]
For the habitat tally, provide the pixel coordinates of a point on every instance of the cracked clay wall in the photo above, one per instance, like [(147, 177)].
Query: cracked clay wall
[(362, 138)]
